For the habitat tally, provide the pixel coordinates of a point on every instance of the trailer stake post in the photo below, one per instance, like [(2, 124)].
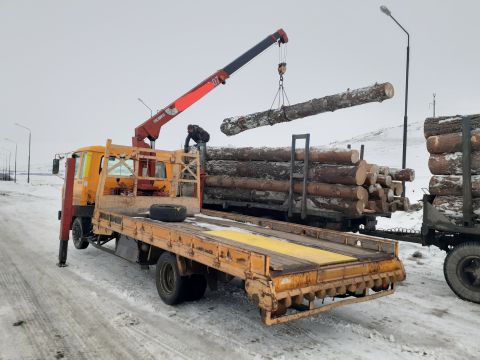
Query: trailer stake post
[(467, 171)]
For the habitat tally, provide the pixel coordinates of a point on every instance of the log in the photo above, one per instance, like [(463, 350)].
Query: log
[(452, 185), (389, 193), (244, 195), (345, 206), (450, 143), (402, 174), (397, 188), (376, 93), (371, 178), (381, 206), (324, 156), (452, 206), (348, 207), (372, 188), (403, 203), (378, 194), (316, 189), (331, 174), (371, 205), (384, 180), (392, 207), (384, 170), (451, 164), (447, 124)]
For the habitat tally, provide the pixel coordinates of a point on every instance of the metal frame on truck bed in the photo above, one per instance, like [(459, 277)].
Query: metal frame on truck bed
[(290, 271)]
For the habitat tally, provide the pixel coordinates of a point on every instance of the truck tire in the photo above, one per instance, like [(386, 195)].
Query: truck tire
[(196, 286), (462, 271), (79, 230), (168, 213), (170, 285)]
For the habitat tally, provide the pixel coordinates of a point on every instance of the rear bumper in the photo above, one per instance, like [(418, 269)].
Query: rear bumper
[(293, 296)]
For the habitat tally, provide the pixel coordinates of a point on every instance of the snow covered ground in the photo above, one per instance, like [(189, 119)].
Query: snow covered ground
[(103, 307)]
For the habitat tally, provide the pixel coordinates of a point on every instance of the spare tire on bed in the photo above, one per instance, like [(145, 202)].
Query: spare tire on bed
[(169, 213)]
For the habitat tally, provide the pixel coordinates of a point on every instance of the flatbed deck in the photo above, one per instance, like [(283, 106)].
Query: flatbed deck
[(282, 263)]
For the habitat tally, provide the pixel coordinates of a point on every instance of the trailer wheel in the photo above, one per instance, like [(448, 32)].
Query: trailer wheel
[(169, 213), (79, 230), (170, 285), (462, 271), (196, 286)]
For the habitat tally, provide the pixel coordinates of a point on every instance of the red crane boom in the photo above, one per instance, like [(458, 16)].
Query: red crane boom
[(150, 129)]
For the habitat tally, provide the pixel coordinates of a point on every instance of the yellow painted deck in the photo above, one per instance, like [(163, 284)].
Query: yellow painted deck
[(314, 255)]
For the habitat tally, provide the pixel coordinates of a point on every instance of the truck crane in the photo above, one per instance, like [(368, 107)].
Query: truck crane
[(150, 129), (290, 271)]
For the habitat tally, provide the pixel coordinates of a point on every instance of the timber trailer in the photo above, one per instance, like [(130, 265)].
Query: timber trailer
[(460, 241), (144, 205)]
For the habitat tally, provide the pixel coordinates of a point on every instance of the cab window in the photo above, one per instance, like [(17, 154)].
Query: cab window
[(160, 172), (120, 170), (78, 158), (85, 165)]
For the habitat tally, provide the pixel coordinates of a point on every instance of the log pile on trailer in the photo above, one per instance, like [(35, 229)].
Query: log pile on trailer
[(444, 143), (338, 182)]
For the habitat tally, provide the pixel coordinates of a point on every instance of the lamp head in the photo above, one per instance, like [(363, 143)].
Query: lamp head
[(385, 10)]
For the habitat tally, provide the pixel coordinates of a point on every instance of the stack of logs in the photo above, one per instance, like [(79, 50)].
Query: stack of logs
[(338, 181), (444, 143)]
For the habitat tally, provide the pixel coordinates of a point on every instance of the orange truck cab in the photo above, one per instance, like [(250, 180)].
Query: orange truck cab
[(88, 166)]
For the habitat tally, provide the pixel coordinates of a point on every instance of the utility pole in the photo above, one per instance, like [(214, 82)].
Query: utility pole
[(29, 147), (433, 103), (15, 171)]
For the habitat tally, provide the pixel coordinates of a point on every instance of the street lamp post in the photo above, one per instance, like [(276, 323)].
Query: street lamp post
[(148, 107), (387, 12), (15, 168), (7, 171), (29, 146)]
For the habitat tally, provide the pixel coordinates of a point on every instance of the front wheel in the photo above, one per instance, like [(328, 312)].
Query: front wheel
[(79, 230), (462, 271)]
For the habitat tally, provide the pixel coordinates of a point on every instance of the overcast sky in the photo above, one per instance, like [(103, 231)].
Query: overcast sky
[(72, 70)]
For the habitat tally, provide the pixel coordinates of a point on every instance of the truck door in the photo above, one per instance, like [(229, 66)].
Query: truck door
[(82, 162)]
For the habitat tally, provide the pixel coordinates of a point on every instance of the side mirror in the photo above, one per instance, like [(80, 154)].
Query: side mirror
[(56, 166)]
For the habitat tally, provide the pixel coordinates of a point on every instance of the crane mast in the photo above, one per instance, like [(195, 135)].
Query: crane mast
[(150, 129)]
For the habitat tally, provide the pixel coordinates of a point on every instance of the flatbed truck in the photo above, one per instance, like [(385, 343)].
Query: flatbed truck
[(290, 271)]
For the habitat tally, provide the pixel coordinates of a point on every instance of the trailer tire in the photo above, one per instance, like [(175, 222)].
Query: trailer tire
[(80, 228), (171, 286), (196, 286), (168, 213), (462, 271)]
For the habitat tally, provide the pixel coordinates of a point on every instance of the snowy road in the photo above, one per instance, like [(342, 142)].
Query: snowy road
[(104, 307)]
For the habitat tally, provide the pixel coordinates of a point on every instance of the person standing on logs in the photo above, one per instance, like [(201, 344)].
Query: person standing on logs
[(201, 137), (197, 134)]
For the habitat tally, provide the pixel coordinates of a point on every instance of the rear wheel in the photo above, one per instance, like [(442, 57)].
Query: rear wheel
[(196, 286), (170, 285), (462, 271), (79, 231)]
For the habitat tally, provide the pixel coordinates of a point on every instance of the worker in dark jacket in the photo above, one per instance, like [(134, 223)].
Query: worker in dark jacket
[(197, 134)]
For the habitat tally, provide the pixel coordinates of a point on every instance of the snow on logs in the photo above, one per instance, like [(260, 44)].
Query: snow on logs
[(338, 181), (447, 124), (444, 143), (376, 93), (324, 156)]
